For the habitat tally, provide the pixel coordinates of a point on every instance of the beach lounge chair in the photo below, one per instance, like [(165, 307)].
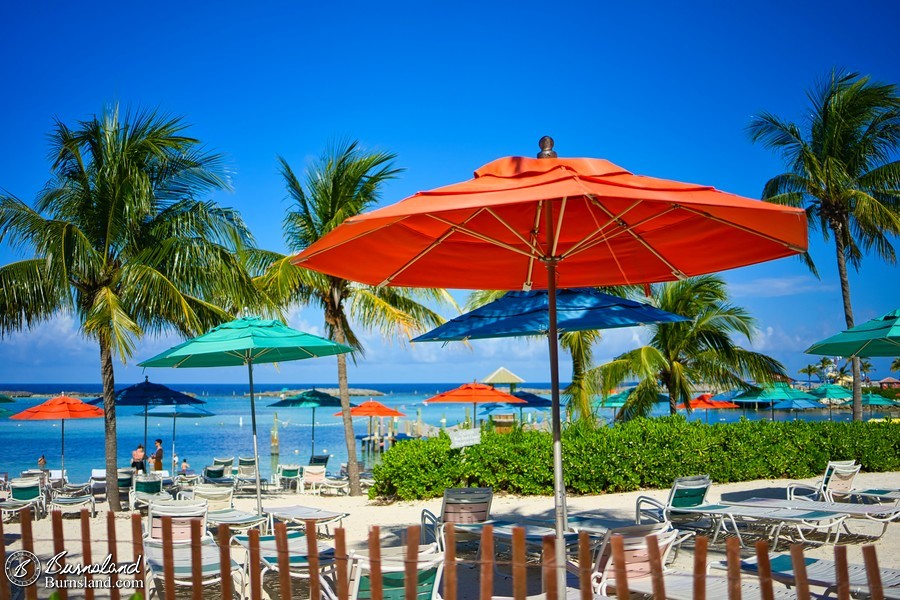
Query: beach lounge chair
[(319, 460), (182, 513), (221, 511), (181, 552), (821, 573), (289, 475), (56, 478), (125, 479), (312, 478), (227, 463), (297, 516), (218, 475), (430, 569), (246, 475), (26, 493), (97, 481), (298, 554), (460, 505), (146, 489), (836, 483), (72, 497), (686, 493)]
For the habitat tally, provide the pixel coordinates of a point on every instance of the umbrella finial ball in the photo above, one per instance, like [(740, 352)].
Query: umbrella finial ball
[(546, 145)]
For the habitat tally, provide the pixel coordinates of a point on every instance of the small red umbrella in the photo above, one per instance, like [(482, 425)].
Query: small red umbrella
[(62, 408), (475, 393), (706, 401), (372, 409)]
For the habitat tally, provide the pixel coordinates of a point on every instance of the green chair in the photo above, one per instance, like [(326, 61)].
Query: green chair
[(25, 494), (430, 569), (289, 475), (686, 492), (146, 489)]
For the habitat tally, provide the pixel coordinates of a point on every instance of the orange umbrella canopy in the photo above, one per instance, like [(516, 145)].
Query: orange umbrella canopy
[(606, 226), (61, 407), (475, 393), (371, 408), (706, 401)]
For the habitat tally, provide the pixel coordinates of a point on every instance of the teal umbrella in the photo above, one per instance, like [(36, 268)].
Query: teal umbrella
[(244, 342), (176, 411), (772, 394), (878, 337), (877, 400), (310, 399), (830, 391)]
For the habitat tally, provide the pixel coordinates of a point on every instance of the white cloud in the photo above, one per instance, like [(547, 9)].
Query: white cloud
[(773, 287)]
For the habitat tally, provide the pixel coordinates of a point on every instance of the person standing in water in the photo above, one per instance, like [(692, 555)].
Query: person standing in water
[(137, 459)]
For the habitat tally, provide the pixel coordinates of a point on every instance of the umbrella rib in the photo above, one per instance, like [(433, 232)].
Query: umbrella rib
[(480, 236), (350, 239), (743, 228), (559, 222), (535, 226), (599, 235)]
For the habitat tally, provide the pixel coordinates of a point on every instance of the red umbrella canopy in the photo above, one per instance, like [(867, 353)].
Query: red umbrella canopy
[(475, 393), (602, 224), (706, 401), (371, 408), (61, 407)]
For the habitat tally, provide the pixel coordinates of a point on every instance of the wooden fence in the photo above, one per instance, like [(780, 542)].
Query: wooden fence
[(451, 581)]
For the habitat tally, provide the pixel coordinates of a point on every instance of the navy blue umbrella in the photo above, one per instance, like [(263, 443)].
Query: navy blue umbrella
[(148, 394), (528, 313)]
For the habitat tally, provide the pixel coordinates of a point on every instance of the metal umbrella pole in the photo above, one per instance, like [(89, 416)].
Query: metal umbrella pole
[(255, 445)]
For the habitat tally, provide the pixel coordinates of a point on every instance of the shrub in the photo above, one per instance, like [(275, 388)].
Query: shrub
[(642, 453)]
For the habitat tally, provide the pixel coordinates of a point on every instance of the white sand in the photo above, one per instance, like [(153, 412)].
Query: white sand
[(394, 518)]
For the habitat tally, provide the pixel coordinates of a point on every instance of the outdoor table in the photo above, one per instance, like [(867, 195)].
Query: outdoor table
[(299, 515)]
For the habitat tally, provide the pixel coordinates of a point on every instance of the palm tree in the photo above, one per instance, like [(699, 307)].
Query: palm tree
[(865, 367), (683, 355), (809, 371), (345, 182), (120, 241), (895, 365), (842, 171), (824, 366)]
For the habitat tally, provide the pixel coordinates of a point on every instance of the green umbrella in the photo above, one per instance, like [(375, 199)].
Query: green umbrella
[(4, 398), (876, 400), (830, 391), (878, 337), (310, 399), (244, 342)]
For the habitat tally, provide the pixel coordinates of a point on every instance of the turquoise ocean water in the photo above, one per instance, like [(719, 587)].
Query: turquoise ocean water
[(228, 433)]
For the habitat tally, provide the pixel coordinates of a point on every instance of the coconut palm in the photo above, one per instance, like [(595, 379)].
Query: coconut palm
[(682, 356), (344, 182), (809, 371), (842, 170), (866, 367), (895, 365), (824, 366), (119, 239)]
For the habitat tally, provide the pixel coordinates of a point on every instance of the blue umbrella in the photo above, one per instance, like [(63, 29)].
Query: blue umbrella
[(528, 313), (531, 401), (797, 404), (148, 394)]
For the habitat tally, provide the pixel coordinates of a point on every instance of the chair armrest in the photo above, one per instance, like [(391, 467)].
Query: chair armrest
[(430, 523), (807, 492), (655, 511)]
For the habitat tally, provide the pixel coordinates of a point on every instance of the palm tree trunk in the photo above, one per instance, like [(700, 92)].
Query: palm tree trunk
[(349, 437), (109, 409), (837, 229)]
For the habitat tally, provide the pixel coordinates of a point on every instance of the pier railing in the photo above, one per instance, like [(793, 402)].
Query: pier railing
[(94, 545)]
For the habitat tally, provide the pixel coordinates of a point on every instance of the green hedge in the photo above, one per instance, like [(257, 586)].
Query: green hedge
[(643, 453)]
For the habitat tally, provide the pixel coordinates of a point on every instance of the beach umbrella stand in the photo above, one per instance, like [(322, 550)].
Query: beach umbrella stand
[(243, 342)]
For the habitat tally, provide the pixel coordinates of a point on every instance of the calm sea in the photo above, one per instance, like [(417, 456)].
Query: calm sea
[(228, 433)]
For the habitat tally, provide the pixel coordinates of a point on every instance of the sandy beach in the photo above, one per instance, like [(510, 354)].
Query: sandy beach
[(394, 518)]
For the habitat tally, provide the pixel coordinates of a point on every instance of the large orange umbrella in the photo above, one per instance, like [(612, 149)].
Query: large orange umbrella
[(371, 408), (587, 221), (475, 393), (62, 408)]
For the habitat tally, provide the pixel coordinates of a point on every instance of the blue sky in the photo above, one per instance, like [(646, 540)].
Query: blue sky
[(660, 88)]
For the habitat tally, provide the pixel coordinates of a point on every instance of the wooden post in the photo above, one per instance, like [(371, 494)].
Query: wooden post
[(113, 553), (520, 583), (312, 547), (451, 584), (375, 563), (137, 545), (4, 580), (28, 544), (341, 559), (733, 556), (255, 568), (618, 558), (86, 549), (764, 569), (842, 572), (225, 561), (411, 571), (168, 557), (548, 557), (284, 560), (801, 582), (197, 561), (873, 574), (486, 558), (700, 546), (585, 565), (59, 545), (656, 575)]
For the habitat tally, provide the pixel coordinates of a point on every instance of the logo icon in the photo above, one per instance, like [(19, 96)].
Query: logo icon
[(19, 564)]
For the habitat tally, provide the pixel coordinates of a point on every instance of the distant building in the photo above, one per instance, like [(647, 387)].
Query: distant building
[(889, 383)]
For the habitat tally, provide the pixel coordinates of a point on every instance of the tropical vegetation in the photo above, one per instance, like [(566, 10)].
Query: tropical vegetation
[(604, 459), (120, 239), (680, 357), (345, 181), (842, 170)]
